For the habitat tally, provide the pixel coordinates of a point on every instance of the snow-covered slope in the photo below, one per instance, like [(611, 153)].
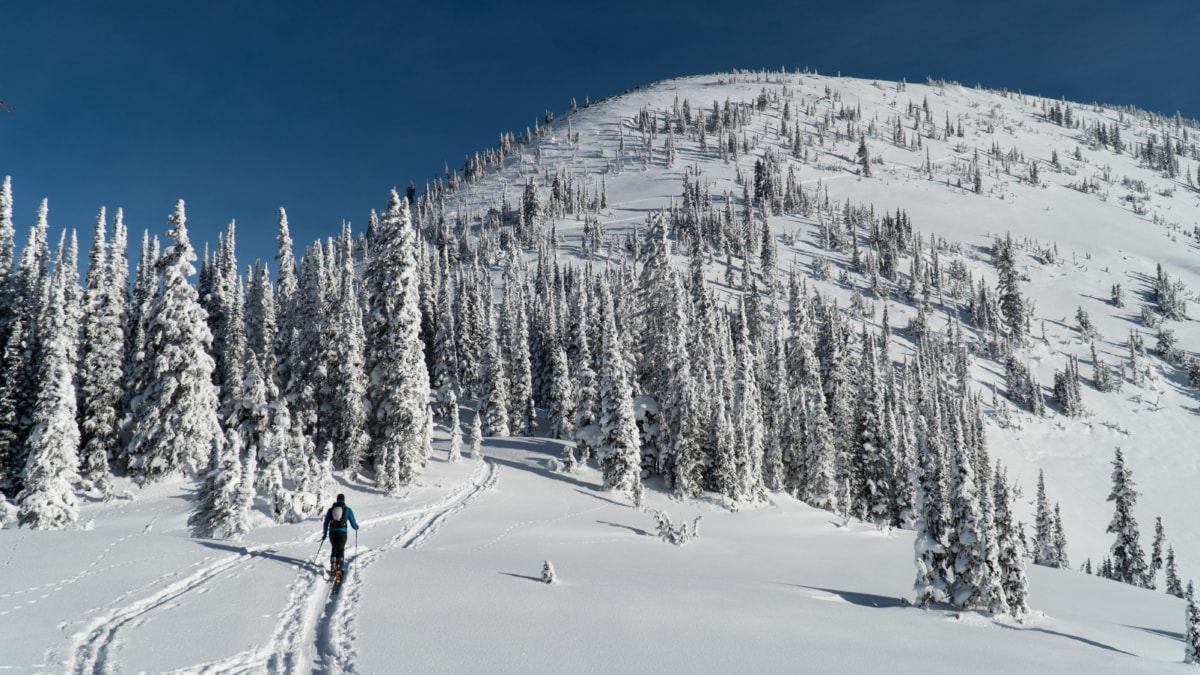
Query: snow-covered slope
[(448, 580), (1076, 243)]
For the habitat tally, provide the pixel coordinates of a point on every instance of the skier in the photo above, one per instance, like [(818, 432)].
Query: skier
[(334, 528)]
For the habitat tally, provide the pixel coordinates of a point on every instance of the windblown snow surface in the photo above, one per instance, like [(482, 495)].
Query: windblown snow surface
[(447, 579)]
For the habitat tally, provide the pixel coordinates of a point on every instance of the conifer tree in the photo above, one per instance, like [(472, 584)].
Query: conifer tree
[(1156, 551), (286, 287), (967, 537), (1174, 586), (584, 376), (1128, 560), (398, 384), (48, 500), (217, 510), (347, 418), (619, 448), (455, 454), (1191, 634), (932, 556), (1044, 552), (1011, 554), (476, 436), (31, 293), (173, 420), (445, 354), (494, 396), (102, 357), (1060, 540)]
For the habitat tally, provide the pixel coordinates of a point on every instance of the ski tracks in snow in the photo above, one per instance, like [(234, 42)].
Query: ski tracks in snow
[(315, 629), (335, 640), (306, 638)]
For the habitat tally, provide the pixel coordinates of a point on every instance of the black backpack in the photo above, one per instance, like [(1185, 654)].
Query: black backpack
[(337, 516)]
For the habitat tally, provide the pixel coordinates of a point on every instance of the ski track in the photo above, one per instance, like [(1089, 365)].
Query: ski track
[(97, 644), (335, 643), (307, 638)]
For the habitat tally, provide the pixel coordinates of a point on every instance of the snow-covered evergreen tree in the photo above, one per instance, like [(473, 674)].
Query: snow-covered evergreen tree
[(455, 453), (476, 436), (967, 537), (932, 555), (1060, 540), (398, 386), (1156, 551), (48, 500), (1128, 560), (494, 394), (1191, 632), (1044, 551), (173, 418), (619, 448), (1010, 551), (346, 420), (218, 512), (102, 358), (1174, 586)]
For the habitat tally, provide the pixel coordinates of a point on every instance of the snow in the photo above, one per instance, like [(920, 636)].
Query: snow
[(448, 579)]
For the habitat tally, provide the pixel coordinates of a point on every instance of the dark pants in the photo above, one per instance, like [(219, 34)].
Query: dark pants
[(337, 540)]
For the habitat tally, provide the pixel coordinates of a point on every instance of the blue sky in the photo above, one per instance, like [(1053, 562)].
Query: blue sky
[(321, 107)]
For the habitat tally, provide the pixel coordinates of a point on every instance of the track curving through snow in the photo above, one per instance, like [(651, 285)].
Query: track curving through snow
[(314, 631)]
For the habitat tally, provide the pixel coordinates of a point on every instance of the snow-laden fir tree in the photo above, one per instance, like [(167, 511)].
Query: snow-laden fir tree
[(561, 404), (346, 419), (398, 385), (1191, 632), (619, 448), (1010, 551), (967, 538), (494, 387), (445, 354), (173, 419), (286, 287), (455, 453), (48, 500), (1128, 559), (1060, 540), (514, 335), (31, 293), (102, 354), (1174, 586), (218, 512), (1156, 551), (1044, 551), (933, 558), (584, 376), (747, 411), (476, 436)]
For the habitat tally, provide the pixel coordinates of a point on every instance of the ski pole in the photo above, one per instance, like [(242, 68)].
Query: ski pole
[(318, 553), (355, 544)]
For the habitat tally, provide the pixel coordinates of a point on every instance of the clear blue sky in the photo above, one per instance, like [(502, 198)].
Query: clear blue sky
[(321, 107)]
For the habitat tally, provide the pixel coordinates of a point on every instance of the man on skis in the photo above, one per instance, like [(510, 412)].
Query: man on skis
[(336, 519)]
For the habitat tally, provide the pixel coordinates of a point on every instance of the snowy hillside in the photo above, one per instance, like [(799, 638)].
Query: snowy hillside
[(1077, 242), (448, 580), (826, 316)]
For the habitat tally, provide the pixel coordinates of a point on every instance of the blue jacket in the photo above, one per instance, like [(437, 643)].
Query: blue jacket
[(329, 516)]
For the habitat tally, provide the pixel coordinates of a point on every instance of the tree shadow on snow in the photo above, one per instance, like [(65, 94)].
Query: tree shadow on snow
[(1156, 631), (268, 554), (541, 471), (635, 530), (1077, 638), (862, 599), (523, 576)]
